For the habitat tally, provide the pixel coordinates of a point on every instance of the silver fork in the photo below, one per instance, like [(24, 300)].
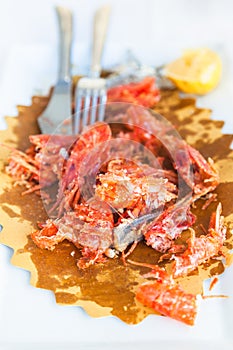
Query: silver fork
[(59, 107), (91, 95)]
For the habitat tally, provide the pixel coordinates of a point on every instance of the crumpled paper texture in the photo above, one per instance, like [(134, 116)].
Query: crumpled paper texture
[(109, 289)]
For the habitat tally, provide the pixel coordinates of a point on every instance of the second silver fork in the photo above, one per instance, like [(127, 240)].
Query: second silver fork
[(91, 94)]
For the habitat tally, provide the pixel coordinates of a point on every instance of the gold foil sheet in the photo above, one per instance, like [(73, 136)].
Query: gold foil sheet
[(108, 289)]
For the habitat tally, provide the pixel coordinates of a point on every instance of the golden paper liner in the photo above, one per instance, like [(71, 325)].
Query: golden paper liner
[(108, 289)]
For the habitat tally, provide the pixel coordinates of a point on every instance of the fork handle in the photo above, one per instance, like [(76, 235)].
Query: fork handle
[(65, 24), (101, 20)]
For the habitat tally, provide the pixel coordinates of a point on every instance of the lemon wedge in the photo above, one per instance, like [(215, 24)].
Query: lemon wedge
[(197, 71)]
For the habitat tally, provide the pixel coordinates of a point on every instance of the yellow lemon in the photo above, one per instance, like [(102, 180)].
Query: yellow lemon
[(197, 71)]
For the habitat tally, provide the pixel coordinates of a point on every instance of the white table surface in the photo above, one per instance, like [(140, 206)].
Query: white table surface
[(156, 31)]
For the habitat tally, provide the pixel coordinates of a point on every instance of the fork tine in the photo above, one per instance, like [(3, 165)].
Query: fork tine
[(94, 106), (77, 116), (103, 100), (86, 110)]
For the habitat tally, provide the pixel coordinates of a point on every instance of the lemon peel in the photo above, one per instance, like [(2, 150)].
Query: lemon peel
[(197, 71)]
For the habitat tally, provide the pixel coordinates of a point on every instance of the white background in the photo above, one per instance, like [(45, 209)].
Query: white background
[(156, 31)]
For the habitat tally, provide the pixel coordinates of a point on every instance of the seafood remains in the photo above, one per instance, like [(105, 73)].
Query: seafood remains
[(119, 183)]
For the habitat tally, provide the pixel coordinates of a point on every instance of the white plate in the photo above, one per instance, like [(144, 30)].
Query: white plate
[(30, 317)]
